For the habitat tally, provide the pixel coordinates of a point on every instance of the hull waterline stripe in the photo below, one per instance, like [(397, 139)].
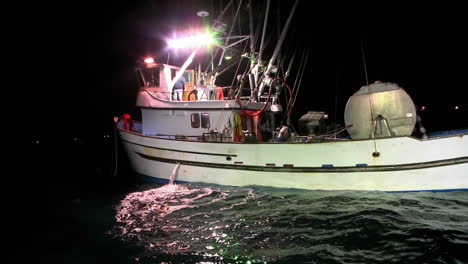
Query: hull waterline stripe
[(184, 151), (411, 166), (152, 179)]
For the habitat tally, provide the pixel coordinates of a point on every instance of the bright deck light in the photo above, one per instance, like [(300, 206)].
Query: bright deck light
[(203, 13), (149, 60), (191, 41)]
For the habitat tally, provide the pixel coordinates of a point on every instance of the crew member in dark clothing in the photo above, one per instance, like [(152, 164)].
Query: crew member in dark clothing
[(178, 88)]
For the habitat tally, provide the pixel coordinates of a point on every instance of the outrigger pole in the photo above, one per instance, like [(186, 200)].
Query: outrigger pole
[(278, 46)]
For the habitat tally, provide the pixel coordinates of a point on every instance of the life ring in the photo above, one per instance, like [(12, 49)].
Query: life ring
[(193, 92)]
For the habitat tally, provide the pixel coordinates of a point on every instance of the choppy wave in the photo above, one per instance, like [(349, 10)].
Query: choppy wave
[(207, 224)]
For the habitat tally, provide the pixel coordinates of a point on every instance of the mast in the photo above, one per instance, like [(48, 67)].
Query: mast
[(278, 46), (259, 61), (252, 46)]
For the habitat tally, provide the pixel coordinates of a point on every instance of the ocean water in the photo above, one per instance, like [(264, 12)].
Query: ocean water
[(191, 223)]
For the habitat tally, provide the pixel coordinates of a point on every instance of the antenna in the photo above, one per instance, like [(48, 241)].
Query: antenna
[(364, 62), (369, 96)]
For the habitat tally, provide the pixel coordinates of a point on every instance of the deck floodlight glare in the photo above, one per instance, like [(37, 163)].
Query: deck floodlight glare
[(149, 60), (203, 13), (191, 41)]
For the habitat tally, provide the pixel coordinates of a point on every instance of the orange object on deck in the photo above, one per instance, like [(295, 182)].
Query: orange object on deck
[(219, 94)]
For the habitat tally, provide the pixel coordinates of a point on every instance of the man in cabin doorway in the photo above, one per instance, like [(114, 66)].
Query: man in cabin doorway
[(179, 88)]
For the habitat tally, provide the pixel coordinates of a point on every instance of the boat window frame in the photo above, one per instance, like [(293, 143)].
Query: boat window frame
[(205, 120), (195, 120), (147, 73)]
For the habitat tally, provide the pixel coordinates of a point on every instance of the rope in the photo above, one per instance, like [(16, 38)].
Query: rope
[(333, 132), (257, 112)]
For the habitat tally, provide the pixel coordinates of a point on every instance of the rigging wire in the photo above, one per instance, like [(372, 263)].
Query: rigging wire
[(282, 37), (286, 74), (235, 17), (232, 83), (302, 74), (252, 41), (239, 22), (230, 32), (301, 65), (281, 57), (257, 33), (263, 33), (278, 45), (294, 93), (216, 23), (262, 44), (369, 96), (238, 66), (281, 63)]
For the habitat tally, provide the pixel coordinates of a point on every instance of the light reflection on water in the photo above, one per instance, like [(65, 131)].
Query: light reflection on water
[(208, 224), (174, 219)]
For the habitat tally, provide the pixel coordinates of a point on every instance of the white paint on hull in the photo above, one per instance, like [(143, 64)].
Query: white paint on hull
[(394, 152), (438, 178)]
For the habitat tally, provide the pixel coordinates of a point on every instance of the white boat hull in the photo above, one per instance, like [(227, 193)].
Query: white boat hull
[(404, 163)]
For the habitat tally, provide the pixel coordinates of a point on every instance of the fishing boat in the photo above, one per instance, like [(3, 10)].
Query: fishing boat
[(242, 135)]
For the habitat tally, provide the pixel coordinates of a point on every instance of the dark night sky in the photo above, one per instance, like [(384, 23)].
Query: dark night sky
[(422, 48)]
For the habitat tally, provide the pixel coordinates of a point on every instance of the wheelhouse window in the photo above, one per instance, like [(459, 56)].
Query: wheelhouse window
[(150, 76), (205, 120), (173, 73), (188, 75), (195, 120)]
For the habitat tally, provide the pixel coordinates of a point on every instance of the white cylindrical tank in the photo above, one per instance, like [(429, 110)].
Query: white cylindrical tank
[(380, 110)]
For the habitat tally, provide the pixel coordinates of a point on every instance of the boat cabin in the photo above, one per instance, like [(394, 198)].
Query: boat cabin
[(160, 78), (202, 113)]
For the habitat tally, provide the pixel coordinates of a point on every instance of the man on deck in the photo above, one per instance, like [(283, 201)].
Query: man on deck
[(179, 88)]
